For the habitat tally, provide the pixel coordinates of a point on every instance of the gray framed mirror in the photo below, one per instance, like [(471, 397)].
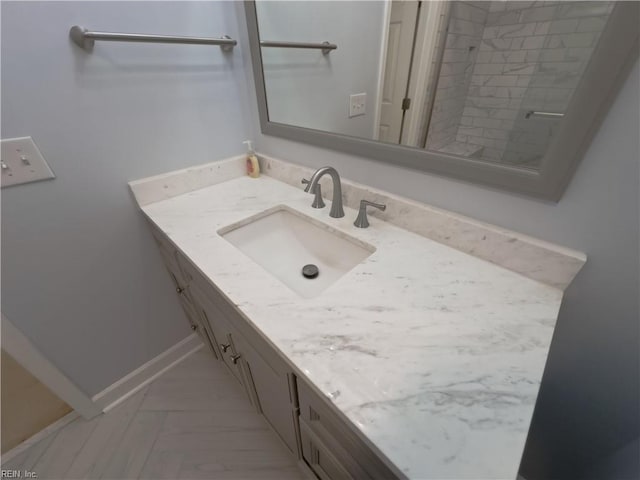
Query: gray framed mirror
[(501, 93)]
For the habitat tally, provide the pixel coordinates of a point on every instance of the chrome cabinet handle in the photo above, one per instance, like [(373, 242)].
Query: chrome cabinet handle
[(225, 347), (235, 358), (179, 290), (194, 327)]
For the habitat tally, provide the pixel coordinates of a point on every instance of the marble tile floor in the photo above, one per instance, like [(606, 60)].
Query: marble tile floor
[(193, 422)]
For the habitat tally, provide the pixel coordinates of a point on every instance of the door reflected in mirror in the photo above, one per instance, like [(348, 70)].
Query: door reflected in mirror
[(484, 80)]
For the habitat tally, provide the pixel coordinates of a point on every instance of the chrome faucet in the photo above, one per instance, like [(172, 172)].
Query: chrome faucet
[(314, 187)]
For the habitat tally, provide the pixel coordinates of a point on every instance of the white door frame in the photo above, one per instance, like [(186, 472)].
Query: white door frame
[(384, 38), (16, 344), (423, 59)]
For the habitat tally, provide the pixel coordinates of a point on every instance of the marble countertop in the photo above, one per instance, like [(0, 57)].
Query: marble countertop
[(436, 356)]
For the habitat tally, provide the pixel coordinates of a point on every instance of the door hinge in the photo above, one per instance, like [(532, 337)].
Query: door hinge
[(406, 103)]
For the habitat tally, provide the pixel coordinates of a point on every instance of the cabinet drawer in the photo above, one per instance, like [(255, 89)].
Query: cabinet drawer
[(346, 446)]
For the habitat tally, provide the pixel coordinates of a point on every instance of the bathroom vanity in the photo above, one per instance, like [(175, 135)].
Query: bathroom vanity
[(421, 355)]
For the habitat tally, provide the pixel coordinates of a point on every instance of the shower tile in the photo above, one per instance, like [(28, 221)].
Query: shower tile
[(570, 40), (508, 57), (484, 57), (532, 55), (517, 30), (532, 43), (542, 28), (595, 24), (583, 9), (503, 18), (502, 81), (519, 68), (496, 44), (563, 26)]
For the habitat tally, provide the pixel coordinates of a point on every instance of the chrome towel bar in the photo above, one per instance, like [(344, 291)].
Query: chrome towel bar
[(533, 113), (85, 39), (326, 47)]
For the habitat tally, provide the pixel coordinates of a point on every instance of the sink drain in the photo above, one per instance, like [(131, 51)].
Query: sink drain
[(310, 271)]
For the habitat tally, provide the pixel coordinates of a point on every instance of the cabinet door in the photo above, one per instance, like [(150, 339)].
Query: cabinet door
[(274, 396), (320, 458), (199, 326), (265, 373), (168, 253), (327, 430), (222, 332)]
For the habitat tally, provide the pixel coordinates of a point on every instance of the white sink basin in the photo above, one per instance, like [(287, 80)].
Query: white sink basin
[(282, 240)]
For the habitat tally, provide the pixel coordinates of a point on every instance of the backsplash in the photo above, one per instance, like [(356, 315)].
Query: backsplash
[(533, 258), (536, 259)]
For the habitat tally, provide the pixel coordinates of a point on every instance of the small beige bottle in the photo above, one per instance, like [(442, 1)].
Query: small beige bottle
[(253, 167)]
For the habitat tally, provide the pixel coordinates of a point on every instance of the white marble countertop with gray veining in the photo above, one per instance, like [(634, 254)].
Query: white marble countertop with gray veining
[(436, 356)]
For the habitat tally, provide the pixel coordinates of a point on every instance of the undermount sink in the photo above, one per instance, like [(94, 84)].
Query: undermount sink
[(282, 241)]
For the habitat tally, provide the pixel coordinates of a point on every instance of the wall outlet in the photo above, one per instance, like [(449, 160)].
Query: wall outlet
[(22, 162), (357, 104)]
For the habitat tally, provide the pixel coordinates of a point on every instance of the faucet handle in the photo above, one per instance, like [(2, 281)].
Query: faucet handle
[(317, 199), (367, 203), (362, 221)]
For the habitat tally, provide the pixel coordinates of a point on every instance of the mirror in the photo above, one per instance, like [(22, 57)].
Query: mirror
[(500, 92)]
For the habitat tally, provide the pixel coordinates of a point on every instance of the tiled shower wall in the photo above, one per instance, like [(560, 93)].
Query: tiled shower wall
[(531, 57), (466, 24)]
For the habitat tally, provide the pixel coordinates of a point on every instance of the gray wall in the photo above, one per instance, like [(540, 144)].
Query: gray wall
[(588, 403), (81, 275)]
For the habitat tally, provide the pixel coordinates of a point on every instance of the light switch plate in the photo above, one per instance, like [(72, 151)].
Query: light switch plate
[(22, 162), (357, 104)]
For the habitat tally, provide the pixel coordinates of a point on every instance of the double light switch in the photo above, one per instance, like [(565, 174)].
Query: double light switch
[(22, 162)]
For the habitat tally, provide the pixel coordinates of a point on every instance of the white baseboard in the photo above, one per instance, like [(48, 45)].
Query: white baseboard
[(133, 382), (120, 390)]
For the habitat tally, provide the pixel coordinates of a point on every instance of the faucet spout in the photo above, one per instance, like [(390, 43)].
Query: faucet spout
[(336, 204)]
